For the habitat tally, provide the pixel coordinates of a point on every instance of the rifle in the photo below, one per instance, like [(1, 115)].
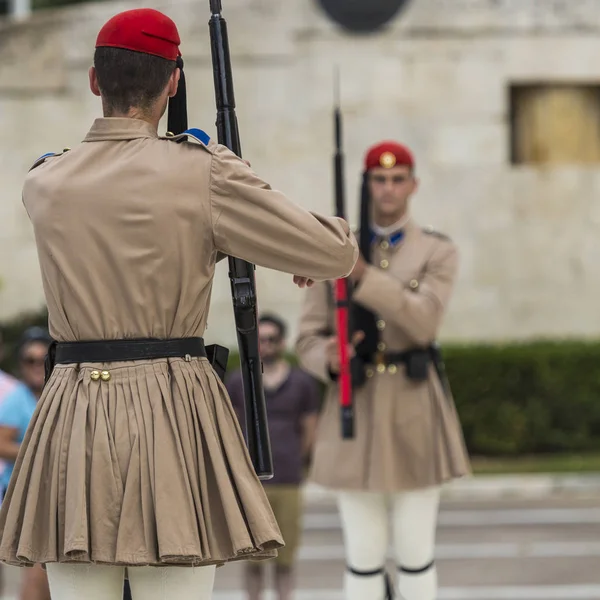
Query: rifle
[(241, 272), (342, 288)]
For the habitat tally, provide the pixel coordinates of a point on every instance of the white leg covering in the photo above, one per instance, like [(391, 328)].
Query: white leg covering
[(171, 583), (101, 582), (415, 522), (92, 582), (365, 526)]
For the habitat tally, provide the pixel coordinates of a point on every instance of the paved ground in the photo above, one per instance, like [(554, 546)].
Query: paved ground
[(541, 549), (508, 550)]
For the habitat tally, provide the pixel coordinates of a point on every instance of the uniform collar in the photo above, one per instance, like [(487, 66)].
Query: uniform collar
[(119, 128), (394, 238)]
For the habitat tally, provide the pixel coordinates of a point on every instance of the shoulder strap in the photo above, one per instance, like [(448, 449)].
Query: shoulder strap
[(197, 135), (43, 158), (431, 231)]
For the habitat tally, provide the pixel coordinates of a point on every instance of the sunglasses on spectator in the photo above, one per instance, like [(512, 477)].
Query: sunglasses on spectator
[(32, 361), (272, 339)]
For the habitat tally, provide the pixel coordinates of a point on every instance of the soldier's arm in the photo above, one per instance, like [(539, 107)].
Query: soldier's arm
[(314, 332), (253, 222), (416, 310)]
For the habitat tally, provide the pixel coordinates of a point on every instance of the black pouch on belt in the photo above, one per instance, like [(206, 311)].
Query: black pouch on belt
[(218, 357), (49, 361), (416, 362)]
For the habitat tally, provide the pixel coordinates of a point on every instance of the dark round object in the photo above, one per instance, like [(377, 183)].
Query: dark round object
[(362, 16)]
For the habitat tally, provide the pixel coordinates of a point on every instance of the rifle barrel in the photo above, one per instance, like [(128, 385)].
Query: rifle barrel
[(342, 288), (241, 272)]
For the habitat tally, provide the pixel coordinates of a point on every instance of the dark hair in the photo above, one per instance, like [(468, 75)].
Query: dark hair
[(274, 320), (130, 79), (30, 335)]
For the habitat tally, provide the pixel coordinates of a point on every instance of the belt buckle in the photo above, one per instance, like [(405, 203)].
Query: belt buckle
[(380, 361)]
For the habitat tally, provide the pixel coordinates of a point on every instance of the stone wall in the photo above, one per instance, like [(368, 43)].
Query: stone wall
[(437, 79)]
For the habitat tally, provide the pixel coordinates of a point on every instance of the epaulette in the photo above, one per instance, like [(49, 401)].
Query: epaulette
[(195, 134), (431, 231), (43, 158)]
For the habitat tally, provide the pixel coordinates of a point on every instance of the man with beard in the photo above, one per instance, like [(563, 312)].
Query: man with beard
[(407, 437), (292, 399)]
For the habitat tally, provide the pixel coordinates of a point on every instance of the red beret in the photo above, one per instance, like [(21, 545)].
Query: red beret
[(388, 154), (142, 30)]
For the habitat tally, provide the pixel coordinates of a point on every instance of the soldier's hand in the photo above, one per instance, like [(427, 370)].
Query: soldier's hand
[(359, 269), (332, 353), (303, 281), (345, 226)]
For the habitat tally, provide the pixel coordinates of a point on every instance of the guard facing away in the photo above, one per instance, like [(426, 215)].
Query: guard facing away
[(407, 437), (134, 456)]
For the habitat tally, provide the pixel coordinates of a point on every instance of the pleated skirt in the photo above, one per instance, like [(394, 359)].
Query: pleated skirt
[(407, 436), (148, 467)]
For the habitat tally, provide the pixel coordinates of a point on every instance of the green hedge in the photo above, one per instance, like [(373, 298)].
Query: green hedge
[(531, 398), (541, 397), (514, 399)]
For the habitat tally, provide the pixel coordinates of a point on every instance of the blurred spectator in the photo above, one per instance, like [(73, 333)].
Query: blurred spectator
[(8, 383), (292, 398), (16, 411)]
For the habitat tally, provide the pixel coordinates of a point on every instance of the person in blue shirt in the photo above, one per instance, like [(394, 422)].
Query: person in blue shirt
[(16, 411), (19, 404), (15, 414)]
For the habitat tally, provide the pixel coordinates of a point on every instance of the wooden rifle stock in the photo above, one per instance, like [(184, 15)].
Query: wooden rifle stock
[(342, 288), (241, 272)]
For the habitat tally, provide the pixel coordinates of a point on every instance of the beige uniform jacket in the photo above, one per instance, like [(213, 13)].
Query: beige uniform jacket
[(148, 465), (407, 434)]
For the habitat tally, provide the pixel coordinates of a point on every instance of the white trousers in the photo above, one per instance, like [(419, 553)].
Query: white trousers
[(103, 582), (366, 526)]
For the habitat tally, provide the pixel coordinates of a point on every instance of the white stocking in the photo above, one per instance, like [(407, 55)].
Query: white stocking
[(70, 581), (364, 518), (415, 521), (171, 583)]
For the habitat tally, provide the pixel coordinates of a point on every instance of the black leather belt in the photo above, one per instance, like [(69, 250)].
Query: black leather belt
[(398, 358), (134, 349), (416, 361), (393, 358), (101, 351)]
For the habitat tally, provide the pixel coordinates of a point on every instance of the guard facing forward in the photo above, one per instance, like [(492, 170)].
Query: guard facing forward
[(407, 437)]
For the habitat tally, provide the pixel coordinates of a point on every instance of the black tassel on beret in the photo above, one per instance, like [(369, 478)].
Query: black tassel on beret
[(177, 121)]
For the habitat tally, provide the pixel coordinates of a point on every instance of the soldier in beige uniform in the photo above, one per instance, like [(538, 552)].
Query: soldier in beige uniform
[(408, 439), (141, 463)]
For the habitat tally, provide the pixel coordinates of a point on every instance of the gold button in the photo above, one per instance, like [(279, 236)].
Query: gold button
[(381, 368), (381, 346), (384, 245), (414, 284), (105, 375), (392, 369), (369, 372), (384, 264), (169, 134), (95, 375), (381, 325)]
